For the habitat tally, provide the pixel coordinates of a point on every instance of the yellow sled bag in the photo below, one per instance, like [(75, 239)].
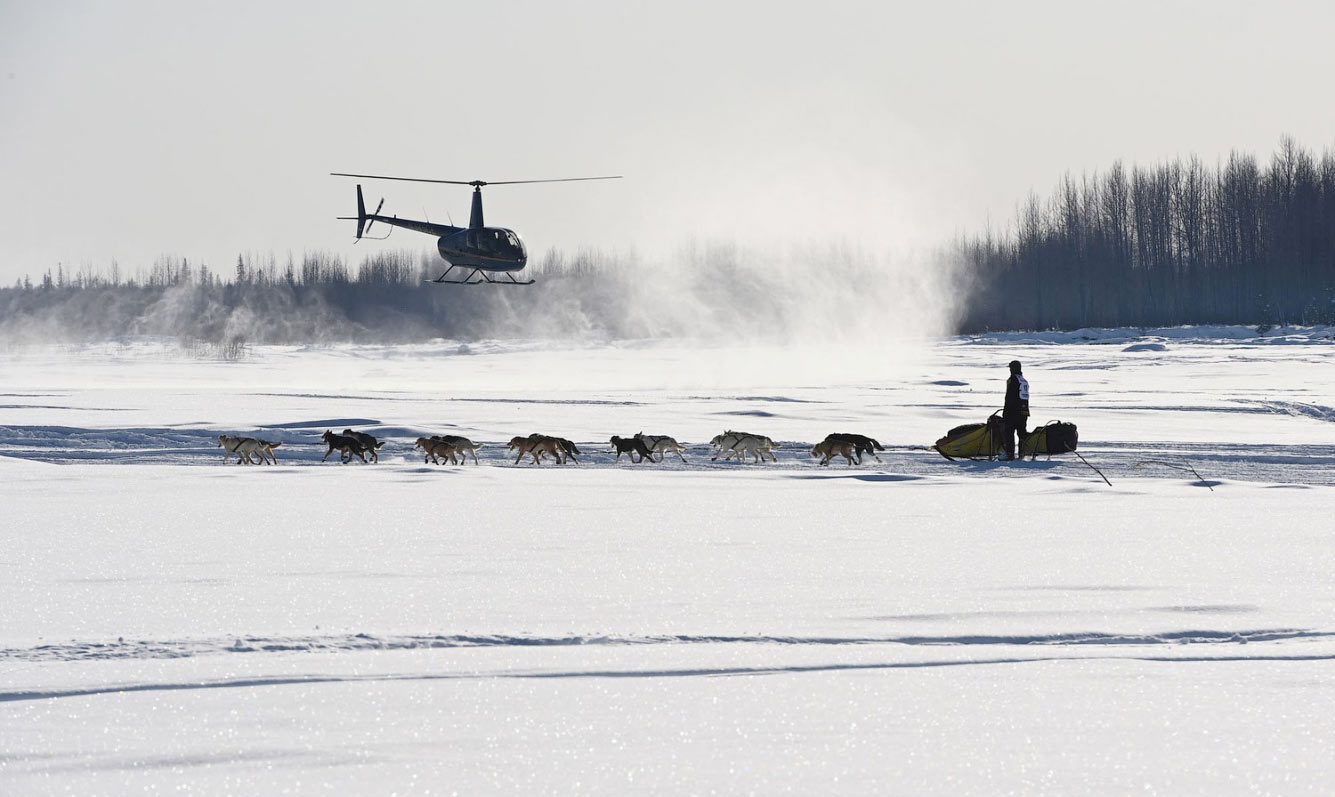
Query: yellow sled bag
[(972, 440)]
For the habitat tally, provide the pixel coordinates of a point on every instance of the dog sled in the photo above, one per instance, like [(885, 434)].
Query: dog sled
[(985, 441)]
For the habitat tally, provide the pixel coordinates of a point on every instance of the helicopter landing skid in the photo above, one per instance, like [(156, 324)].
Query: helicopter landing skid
[(483, 279)]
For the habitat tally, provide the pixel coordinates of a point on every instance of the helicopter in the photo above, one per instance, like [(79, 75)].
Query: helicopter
[(485, 250)]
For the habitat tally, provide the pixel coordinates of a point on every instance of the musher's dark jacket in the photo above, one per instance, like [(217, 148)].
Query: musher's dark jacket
[(1015, 407)]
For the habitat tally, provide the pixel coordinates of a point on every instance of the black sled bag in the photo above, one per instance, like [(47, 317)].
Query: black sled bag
[(1055, 437)]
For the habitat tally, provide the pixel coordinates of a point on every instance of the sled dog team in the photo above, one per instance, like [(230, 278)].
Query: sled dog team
[(639, 448)]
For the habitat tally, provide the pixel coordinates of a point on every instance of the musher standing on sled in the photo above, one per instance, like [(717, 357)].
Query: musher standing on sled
[(1015, 413)]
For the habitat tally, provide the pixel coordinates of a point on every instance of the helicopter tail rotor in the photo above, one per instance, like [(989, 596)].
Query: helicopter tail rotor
[(371, 218)]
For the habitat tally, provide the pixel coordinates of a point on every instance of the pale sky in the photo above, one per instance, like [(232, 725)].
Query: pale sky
[(130, 130)]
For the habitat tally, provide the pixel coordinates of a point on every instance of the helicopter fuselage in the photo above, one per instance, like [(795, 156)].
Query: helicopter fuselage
[(487, 248)]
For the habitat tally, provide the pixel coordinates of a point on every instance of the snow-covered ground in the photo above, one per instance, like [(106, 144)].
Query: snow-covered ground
[(910, 625)]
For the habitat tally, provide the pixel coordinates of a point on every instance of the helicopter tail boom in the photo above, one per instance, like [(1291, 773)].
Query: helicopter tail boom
[(365, 220)]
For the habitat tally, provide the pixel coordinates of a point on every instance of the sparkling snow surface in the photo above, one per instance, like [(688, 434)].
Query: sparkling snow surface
[(167, 622)]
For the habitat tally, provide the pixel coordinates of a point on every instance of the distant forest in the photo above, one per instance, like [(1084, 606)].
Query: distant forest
[(1168, 245), (1173, 244)]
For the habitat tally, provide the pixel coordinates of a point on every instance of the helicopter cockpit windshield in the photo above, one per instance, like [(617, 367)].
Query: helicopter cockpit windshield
[(514, 245)]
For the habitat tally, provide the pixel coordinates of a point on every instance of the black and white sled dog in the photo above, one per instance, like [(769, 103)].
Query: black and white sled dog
[(861, 444), (631, 447), (347, 447), (369, 443)]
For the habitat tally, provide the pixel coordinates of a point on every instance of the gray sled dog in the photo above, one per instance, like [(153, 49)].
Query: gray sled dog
[(249, 449), (742, 444), (368, 442), (660, 444), (461, 445), (829, 449)]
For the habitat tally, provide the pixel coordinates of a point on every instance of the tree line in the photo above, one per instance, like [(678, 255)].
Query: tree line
[(1173, 244)]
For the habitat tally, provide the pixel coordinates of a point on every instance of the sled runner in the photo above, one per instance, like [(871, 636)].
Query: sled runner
[(1055, 437), (972, 440)]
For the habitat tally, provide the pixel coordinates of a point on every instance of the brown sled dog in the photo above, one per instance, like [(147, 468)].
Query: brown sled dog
[(829, 449), (537, 446), (540, 445), (435, 450)]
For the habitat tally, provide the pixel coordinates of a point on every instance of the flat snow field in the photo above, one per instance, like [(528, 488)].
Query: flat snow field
[(904, 626)]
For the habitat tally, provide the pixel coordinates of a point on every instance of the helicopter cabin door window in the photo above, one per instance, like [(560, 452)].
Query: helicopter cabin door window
[(494, 243)]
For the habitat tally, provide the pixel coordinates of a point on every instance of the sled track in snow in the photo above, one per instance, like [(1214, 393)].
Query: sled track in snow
[(1184, 647), (190, 648)]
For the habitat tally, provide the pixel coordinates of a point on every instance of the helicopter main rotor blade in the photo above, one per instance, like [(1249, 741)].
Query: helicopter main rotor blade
[(557, 180), (406, 179), (475, 183)]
